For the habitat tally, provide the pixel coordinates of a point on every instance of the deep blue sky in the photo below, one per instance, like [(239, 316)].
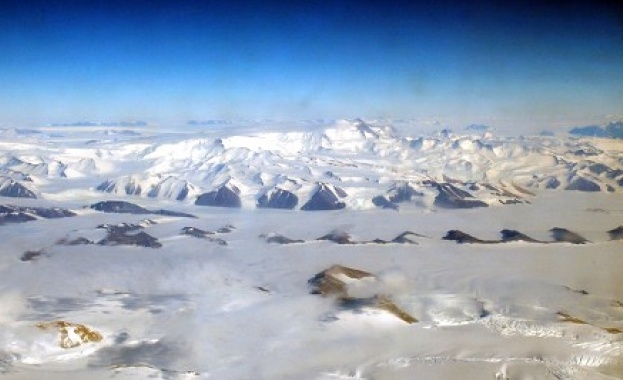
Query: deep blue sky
[(168, 62)]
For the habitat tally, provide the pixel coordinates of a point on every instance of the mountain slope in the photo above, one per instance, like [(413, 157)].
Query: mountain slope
[(283, 167)]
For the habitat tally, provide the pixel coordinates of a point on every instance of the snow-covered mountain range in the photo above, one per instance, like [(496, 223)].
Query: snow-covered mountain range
[(345, 164), (146, 253)]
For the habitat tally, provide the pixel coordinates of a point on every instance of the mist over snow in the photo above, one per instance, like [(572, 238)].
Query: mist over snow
[(346, 249)]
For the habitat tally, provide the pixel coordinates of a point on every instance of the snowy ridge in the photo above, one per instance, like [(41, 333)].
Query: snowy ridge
[(198, 291), (364, 160), (151, 186)]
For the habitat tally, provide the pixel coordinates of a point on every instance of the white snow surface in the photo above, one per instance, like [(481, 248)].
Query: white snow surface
[(363, 159), (198, 309)]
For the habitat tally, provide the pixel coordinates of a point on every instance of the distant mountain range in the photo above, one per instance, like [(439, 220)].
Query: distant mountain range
[(613, 130), (349, 164), (102, 124)]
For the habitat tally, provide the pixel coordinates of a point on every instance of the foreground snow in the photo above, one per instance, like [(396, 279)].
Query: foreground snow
[(219, 301), (243, 310)]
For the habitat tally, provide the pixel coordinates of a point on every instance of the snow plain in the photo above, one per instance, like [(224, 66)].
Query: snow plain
[(197, 308)]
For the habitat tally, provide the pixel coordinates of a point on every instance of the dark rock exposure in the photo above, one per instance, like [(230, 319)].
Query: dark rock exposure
[(382, 202), (582, 184), (324, 198), (462, 238), (613, 130), (280, 239), (119, 207), (121, 227), (552, 183), (129, 234), (507, 237), (14, 189), (616, 233), (32, 255), (129, 189), (514, 235), (49, 213), (156, 190), (566, 236), (141, 239), (123, 207), (403, 192), (202, 234), (195, 232), (76, 241), (404, 238), (399, 193), (278, 198), (20, 214), (330, 282), (226, 229), (452, 197), (15, 217), (224, 196), (173, 213), (598, 168), (339, 237)]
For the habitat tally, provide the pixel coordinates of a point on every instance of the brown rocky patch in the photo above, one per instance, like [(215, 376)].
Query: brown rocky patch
[(71, 335)]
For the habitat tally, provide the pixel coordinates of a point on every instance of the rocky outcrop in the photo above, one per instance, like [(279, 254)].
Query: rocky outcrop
[(20, 214), (339, 237), (450, 196), (582, 184), (342, 237), (402, 192), (31, 255), (514, 235), (335, 280), (406, 237), (129, 188), (71, 335), (141, 239), (226, 229), (173, 213), (462, 238), (15, 217), (325, 197), (399, 193), (278, 198), (14, 189), (616, 233), (382, 202), (122, 207), (49, 213), (613, 130), (168, 187), (124, 227), (354, 289), (224, 196), (172, 188), (195, 232), (280, 239), (565, 236), (119, 207), (126, 234), (202, 234), (507, 236), (76, 241), (552, 183)]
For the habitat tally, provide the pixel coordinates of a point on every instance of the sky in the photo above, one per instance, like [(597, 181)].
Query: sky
[(499, 63)]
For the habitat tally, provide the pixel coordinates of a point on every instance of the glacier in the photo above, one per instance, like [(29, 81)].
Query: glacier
[(344, 249)]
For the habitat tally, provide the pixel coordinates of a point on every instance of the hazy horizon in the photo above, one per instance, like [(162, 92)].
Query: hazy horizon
[(528, 66)]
